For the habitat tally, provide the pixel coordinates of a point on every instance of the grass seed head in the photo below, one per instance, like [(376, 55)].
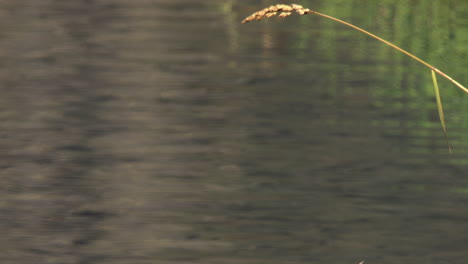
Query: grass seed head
[(280, 10)]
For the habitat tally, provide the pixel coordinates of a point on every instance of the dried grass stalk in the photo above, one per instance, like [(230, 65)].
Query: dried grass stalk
[(286, 10)]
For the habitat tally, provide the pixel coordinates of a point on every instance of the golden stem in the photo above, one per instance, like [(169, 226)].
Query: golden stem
[(395, 47)]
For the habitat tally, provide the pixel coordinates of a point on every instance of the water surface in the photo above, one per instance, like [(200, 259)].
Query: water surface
[(167, 132)]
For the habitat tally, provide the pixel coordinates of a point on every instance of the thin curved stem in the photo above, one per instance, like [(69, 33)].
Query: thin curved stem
[(395, 47)]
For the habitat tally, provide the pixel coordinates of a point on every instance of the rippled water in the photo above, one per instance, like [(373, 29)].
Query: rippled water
[(154, 131)]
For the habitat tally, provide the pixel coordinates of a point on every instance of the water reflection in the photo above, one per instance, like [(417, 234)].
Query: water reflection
[(131, 135)]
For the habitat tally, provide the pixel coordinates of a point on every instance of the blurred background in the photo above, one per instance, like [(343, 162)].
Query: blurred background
[(165, 131)]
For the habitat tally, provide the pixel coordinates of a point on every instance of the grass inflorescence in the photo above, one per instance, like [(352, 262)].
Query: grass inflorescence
[(280, 10)]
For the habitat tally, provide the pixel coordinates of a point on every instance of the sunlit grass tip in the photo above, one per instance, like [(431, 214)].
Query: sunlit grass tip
[(440, 109)]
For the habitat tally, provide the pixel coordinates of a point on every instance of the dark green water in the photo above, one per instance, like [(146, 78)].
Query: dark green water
[(154, 131)]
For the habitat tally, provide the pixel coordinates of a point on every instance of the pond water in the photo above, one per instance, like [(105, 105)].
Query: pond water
[(164, 131)]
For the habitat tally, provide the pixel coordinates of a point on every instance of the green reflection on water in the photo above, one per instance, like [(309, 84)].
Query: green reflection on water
[(400, 86)]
